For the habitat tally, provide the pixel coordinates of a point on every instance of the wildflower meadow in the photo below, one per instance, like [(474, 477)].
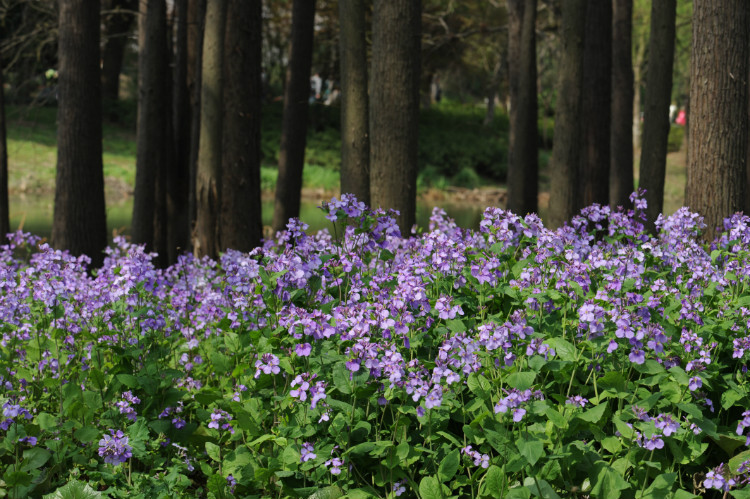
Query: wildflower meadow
[(513, 361)]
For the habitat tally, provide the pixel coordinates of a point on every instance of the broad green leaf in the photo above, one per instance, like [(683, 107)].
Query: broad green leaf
[(16, 478), (564, 349), (213, 451), (737, 494), (34, 458), (679, 375), (74, 490), (594, 414), (531, 448), (737, 460), (540, 488), (429, 488), (449, 466), (455, 325), (46, 421), (521, 381), (729, 398), (518, 493), (607, 482), (684, 494), (661, 487), (332, 492), (494, 482), (556, 418), (341, 378), (86, 434), (128, 380), (625, 430), (363, 448)]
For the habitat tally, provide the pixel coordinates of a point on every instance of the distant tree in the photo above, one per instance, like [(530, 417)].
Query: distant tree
[(79, 220), (4, 208), (117, 22), (355, 136), (596, 107), (394, 107), (196, 18), (718, 106), (152, 137), (294, 121), (621, 134), (208, 177), (523, 162), (656, 111), (241, 224), (566, 150)]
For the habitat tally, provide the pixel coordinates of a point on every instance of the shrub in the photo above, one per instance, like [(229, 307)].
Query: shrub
[(676, 136)]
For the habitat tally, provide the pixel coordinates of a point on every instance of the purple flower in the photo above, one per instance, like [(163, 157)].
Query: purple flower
[(307, 453), (577, 400), (399, 488), (695, 383), (637, 356), (303, 349), (715, 479), (114, 448), (232, 482), (335, 464), (653, 442), (268, 364)]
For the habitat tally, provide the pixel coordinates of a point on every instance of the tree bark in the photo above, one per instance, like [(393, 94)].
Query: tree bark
[(621, 163), (196, 23), (294, 122), (117, 26), (596, 108), (153, 112), (208, 177), (4, 205), (566, 149), (241, 224), (355, 133), (656, 110), (718, 122), (79, 220), (394, 107), (523, 162)]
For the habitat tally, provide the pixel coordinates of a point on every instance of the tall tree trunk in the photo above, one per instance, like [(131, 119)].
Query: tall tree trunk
[(117, 25), (196, 26), (621, 159), (640, 57), (208, 177), (523, 162), (294, 122), (355, 136), (153, 111), (79, 221), (178, 183), (718, 121), (656, 110), (596, 108), (241, 224), (4, 205), (394, 107), (564, 198)]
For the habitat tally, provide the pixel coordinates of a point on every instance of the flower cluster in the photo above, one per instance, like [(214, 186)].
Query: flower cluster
[(114, 448)]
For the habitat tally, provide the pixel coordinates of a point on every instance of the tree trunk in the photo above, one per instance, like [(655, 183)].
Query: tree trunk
[(718, 120), (178, 226), (241, 224), (656, 110), (4, 208), (208, 177), (196, 23), (294, 122), (523, 162), (596, 108), (79, 221), (621, 162), (566, 149), (153, 109), (394, 107), (355, 136), (117, 26)]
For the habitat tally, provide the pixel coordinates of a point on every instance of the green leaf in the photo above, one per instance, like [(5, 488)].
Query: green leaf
[(737, 460), (661, 487), (521, 381), (449, 466), (86, 434), (556, 418), (518, 493), (729, 398), (16, 479), (684, 494), (128, 380), (363, 448), (46, 421), (332, 492), (74, 490), (737, 494), (540, 488), (213, 451), (564, 349), (607, 482), (625, 430), (456, 325), (680, 376), (34, 458), (429, 488), (531, 448), (220, 362), (341, 378), (494, 482), (594, 414)]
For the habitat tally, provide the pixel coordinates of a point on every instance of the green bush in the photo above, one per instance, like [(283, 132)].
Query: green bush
[(676, 136), (467, 178)]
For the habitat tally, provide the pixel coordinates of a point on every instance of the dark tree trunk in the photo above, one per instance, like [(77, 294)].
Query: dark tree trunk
[(241, 224), (656, 110), (196, 24), (178, 176), (566, 150), (394, 107), (355, 126), (153, 112), (4, 205), (523, 163), (79, 221), (117, 26), (718, 111), (596, 107), (621, 162), (294, 122), (208, 178)]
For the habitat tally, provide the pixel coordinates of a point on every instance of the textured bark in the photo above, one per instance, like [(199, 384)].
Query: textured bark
[(394, 107), (153, 112), (294, 121), (117, 26), (178, 175), (596, 107), (4, 208), (566, 150), (196, 23), (523, 162), (241, 224), (656, 110), (79, 220), (355, 127), (208, 177), (621, 162), (718, 122)]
